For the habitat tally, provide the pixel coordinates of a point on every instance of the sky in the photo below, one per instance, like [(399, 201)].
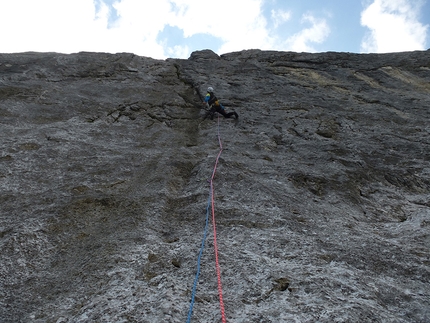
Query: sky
[(175, 28)]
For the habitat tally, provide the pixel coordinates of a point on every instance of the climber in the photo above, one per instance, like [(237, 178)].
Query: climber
[(212, 102)]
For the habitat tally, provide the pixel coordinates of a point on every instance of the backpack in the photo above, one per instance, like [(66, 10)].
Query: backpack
[(213, 100)]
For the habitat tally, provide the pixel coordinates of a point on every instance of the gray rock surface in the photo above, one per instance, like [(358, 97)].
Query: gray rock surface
[(321, 193)]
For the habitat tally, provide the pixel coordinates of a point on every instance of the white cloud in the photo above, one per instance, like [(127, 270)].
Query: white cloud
[(51, 25), (279, 17), (76, 25), (138, 25), (178, 51), (317, 33), (394, 26), (239, 23)]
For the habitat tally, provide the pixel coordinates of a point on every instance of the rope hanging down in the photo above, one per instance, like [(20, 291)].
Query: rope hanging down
[(193, 294), (211, 202)]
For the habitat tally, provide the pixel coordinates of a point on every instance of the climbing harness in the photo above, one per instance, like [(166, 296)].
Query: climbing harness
[(211, 203)]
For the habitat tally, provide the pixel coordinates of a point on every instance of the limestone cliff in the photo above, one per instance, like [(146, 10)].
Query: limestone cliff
[(321, 194)]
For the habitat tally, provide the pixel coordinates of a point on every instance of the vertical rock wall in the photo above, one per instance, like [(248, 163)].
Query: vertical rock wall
[(322, 191)]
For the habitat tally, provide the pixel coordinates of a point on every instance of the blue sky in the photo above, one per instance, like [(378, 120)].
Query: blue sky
[(175, 28)]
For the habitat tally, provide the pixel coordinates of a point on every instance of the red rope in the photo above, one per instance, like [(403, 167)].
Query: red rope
[(218, 270)]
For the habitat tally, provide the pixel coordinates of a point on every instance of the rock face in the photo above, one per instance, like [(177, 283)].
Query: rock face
[(321, 193)]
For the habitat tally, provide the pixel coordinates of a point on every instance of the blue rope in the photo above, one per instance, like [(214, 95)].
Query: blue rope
[(193, 294)]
